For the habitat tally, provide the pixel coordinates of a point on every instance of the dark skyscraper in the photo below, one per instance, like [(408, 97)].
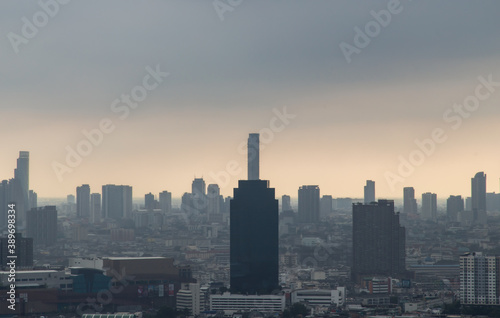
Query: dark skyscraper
[(116, 201), (454, 205), (83, 201), (253, 157), (478, 192), (369, 191), (254, 261), (41, 225), (378, 240), (409, 201), (308, 204)]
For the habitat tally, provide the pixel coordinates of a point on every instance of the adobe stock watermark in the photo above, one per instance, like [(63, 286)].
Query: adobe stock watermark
[(105, 296), (224, 6), (30, 28), (277, 124), (453, 116), (363, 37), (123, 106)]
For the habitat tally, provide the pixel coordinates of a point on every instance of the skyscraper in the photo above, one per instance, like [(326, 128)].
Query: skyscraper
[(429, 206), (253, 157), (254, 261), (41, 225), (215, 200), (199, 196), (149, 201), (454, 205), (308, 204), (23, 251), (22, 173), (409, 201), (478, 192), (285, 203), (116, 201), (198, 187), (83, 201), (369, 191), (95, 208), (165, 199), (378, 240), (326, 205)]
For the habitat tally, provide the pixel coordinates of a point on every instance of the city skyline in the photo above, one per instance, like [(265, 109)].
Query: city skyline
[(348, 119)]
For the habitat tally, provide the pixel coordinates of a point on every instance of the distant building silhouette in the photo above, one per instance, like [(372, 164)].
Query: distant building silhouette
[(285, 203), (429, 206), (478, 192), (308, 204), (41, 225), (70, 199), (116, 201), (369, 191), (378, 240), (22, 186), (454, 205), (409, 201), (199, 195), (149, 201), (165, 201), (83, 202), (215, 200), (33, 197), (254, 258), (95, 208), (326, 205)]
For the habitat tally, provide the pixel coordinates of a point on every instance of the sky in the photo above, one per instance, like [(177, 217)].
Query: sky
[(404, 93)]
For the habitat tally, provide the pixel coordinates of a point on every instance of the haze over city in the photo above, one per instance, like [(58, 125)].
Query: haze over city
[(354, 115)]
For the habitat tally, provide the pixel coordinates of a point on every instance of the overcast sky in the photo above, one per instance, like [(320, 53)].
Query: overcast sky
[(228, 77)]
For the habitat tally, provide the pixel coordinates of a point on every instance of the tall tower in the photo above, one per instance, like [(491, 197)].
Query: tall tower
[(429, 206), (83, 201), (369, 191), (409, 201), (116, 201), (478, 192), (309, 204), (253, 157), (254, 261), (378, 240)]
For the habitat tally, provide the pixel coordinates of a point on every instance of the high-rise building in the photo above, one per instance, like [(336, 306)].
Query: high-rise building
[(189, 297), (41, 225), (70, 199), (479, 279), (254, 259), (409, 201), (454, 205), (33, 197), (95, 208), (165, 199), (308, 204), (369, 191), (149, 201), (429, 206), (326, 205), (198, 187), (116, 201), (253, 157), (478, 192), (285, 203), (23, 251), (22, 173), (215, 200), (378, 240), (83, 201), (199, 196)]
